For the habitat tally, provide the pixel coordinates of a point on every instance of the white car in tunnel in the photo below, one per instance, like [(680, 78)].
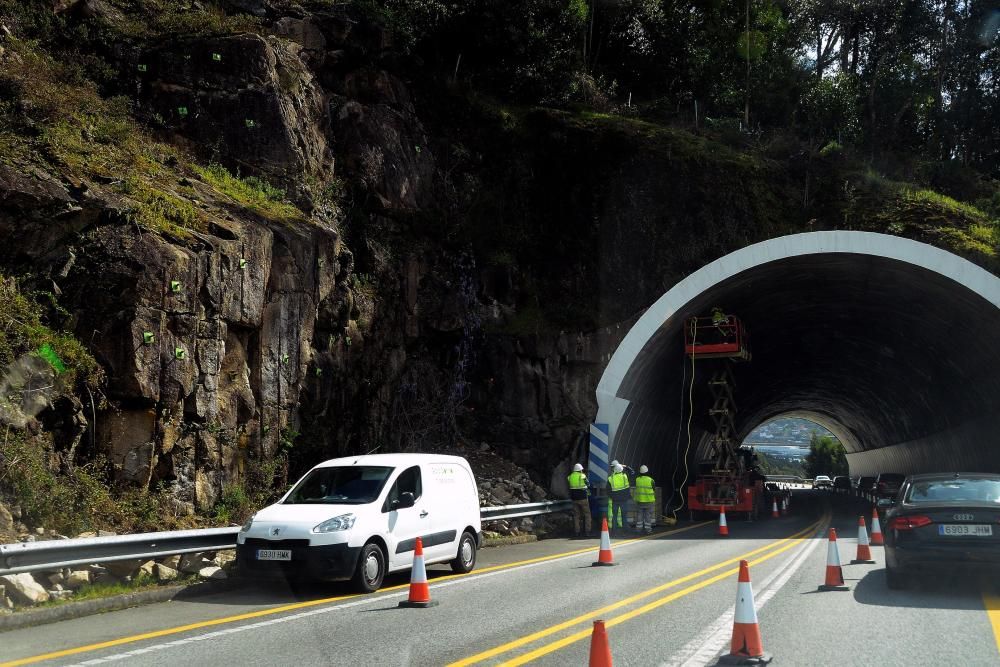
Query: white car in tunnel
[(822, 482)]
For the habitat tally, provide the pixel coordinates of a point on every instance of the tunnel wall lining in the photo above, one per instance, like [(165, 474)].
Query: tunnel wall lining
[(948, 451), (611, 407)]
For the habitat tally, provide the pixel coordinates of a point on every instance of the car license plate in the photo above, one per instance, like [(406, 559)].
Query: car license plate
[(278, 554), (974, 529)]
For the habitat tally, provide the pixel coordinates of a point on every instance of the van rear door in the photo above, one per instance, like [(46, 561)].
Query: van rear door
[(450, 494)]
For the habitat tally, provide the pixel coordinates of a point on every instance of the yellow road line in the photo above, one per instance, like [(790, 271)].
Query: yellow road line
[(309, 603), (992, 604), (527, 639), (609, 623)]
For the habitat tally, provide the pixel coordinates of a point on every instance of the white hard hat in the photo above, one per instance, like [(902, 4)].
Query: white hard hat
[(577, 467), (643, 469), (614, 463), (618, 467)]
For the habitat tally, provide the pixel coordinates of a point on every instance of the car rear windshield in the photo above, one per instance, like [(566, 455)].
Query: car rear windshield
[(340, 485), (947, 490)]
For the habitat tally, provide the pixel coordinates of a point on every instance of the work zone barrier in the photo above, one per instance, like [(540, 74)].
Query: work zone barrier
[(57, 554)]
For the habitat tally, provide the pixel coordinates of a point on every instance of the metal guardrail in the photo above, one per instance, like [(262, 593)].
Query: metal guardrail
[(56, 554), (523, 510)]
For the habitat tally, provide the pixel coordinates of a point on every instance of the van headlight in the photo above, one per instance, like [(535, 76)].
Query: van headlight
[(246, 526), (342, 522)]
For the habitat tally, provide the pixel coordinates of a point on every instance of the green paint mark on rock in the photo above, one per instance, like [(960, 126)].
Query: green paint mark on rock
[(243, 263), (217, 57), (148, 338), (180, 353), (250, 122), (182, 111), (175, 286), (141, 67), (48, 354)]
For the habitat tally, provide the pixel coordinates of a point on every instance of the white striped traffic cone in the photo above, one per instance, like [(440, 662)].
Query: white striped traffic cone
[(420, 591), (876, 529), (834, 572), (746, 647), (604, 557), (774, 509), (723, 527), (784, 506), (864, 553)]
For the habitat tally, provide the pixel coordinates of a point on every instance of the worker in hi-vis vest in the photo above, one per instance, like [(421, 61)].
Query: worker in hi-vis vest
[(579, 492), (618, 485), (645, 500)]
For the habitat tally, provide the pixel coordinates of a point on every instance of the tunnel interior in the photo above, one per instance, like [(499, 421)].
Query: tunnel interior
[(899, 361)]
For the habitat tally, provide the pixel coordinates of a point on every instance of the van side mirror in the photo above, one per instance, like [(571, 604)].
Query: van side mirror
[(405, 500), (884, 502)]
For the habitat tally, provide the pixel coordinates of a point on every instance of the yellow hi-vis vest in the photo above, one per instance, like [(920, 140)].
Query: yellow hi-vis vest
[(644, 492), (577, 481), (618, 481)]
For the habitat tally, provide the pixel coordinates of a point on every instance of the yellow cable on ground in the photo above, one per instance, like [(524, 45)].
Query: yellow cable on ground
[(687, 450)]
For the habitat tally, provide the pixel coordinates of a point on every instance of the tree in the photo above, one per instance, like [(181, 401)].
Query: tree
[(826, 456)]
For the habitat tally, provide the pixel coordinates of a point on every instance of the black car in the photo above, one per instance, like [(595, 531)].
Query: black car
[(887, 484), (842, 482), (943, 522)]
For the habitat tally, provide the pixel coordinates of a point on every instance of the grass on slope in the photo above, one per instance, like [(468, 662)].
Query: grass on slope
[(52, 117)]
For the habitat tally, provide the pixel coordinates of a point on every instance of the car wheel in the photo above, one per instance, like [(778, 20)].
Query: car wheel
[(894, 579), (370, 571), (465, 561)]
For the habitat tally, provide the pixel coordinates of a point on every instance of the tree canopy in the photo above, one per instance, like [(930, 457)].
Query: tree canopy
[(826, 457), (918, 76)]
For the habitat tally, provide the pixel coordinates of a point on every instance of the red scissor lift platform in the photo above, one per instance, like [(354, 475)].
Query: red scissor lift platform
[(711, 338), (725, 479)]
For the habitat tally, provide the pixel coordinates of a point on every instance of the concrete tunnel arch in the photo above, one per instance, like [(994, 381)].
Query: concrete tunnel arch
[(892, 344)]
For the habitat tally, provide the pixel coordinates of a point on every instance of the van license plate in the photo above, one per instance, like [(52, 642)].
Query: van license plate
[(274, 554), (978, 530)]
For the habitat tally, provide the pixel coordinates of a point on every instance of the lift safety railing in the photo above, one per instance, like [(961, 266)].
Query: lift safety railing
[(56, 554)]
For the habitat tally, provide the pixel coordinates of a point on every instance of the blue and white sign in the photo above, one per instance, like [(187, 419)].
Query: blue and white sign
[(598, 461)]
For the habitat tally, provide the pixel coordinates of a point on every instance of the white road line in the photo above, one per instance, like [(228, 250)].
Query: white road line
[(705, 647), (333, 607)]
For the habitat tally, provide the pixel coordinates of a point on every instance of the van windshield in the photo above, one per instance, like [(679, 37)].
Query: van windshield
[(340, 485)]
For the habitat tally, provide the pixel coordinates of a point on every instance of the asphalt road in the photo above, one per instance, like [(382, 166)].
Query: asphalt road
[(669, 601)]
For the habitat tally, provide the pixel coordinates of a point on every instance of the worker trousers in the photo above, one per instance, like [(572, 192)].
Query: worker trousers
[(616, 512), (645, 517), (581, 514)]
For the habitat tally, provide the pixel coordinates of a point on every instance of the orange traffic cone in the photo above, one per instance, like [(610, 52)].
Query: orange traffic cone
[(876, 529), (746, 647), (864, 553), (723, 527), (604, 557), (834, 572), (774, 509), (420, 592), (600, 650)]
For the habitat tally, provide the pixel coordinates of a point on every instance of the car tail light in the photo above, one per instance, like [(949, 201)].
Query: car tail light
[(881, 485), (909, 522)]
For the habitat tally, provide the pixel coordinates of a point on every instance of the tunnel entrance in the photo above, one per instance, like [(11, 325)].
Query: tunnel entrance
[(889, 343)]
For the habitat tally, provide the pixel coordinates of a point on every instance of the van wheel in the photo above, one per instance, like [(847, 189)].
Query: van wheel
[(370, 570), (465, 561)]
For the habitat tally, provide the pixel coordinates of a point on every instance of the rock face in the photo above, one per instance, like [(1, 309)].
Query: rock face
[(250, 95), (481, 261)]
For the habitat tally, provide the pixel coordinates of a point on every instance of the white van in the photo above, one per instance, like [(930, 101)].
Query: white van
[(358, 518)]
